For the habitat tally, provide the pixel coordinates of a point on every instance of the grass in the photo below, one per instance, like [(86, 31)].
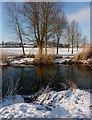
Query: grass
[(18, 56), (22, 56), (44, 59), (85, 54), (4, 58)]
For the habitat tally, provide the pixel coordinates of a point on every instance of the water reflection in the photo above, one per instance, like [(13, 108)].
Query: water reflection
[(28, 80), (84, 70)]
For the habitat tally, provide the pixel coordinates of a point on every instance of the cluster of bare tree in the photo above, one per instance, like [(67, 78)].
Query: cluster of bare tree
[(74, 36), (39, 22)]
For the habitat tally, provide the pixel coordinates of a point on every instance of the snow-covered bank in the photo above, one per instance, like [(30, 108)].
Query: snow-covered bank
[(22, 61), (64, 60), (64, 104)]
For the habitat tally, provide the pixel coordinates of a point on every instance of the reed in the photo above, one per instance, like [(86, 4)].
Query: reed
[(85, 54), (4, 58), (44, 59)]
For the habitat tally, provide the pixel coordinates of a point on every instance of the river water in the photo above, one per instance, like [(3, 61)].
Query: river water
[(29, 80)]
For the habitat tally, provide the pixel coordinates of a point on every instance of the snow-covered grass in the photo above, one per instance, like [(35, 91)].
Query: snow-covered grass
[(18, 51), (63, 104)]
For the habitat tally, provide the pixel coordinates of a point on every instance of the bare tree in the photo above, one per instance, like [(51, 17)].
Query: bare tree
[(61, 23), (15, 21), (78, 36), (40, 17), (68, 36), (84, 41), (73, 26)]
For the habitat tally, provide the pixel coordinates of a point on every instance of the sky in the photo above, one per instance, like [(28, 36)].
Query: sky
[(80, 11), (0, 22)]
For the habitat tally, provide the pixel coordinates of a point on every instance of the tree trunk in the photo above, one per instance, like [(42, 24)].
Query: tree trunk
[(77, 45), (68, 45), (72, 44), (77, 42), (45, 44), (69, 42), (57, 44), (20, 36), (22, 47), (84, 43), (77, 48), (68, 48), (40, 49)]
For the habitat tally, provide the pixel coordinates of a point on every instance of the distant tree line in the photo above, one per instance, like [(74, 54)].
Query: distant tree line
[(40, 22)]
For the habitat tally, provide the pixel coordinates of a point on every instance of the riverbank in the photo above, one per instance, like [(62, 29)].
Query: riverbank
[(64, 57), (58, 60), (73, 103)]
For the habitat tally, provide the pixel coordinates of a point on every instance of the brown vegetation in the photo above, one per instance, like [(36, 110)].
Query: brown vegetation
[(4, 58), (44, 59), (84, 70), (18, 56), (23, 56), (71, 85), (30, 56), (85, 54)]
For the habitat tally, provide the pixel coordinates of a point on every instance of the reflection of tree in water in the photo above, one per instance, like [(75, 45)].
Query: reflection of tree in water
[(54, 77), (66, 76), (45, 74), (29, 80), (33, 79), (60, 81), (71, 74), (84, 70), (20, 81), (4, 67)]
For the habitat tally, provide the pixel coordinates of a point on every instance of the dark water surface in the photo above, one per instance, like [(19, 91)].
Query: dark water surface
[(29, 80)]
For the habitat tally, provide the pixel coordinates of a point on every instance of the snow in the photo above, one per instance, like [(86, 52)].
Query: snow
[(18, 51), (30, 61), (22, 61), (63, 104), (3, 63), (62, 60)]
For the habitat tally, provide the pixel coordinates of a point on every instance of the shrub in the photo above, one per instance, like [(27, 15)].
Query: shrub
[(85, 54), (44, 59), (4, 58)]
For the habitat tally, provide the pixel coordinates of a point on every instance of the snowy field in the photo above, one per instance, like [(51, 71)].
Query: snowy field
[(18, 51), (64, 104)]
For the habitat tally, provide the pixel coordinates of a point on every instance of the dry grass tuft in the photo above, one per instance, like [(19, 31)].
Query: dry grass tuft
[(18, 56), (44, 59), (30, 56), (22, 56), (85, 54), (4, 58)]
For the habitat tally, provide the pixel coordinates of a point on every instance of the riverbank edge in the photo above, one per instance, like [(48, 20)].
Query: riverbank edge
[(58, 60)]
